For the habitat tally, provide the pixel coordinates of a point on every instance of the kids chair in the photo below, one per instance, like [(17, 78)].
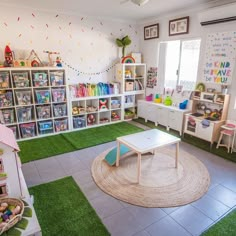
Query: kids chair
[(228, 129)]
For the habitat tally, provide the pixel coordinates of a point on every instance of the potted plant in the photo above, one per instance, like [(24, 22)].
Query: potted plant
[(123, 42)]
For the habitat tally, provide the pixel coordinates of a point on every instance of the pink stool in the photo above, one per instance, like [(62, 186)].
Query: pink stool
[(229, 131)]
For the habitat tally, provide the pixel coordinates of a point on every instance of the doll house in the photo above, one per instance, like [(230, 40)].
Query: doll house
[(10, 184)]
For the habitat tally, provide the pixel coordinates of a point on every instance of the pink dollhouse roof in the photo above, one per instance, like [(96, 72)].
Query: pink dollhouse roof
[(7, 137)]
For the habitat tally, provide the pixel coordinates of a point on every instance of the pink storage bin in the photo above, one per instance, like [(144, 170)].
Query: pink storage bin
[(149, 98)]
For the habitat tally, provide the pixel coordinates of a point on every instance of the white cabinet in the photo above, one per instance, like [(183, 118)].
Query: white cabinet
[(132, 79), (198, 127), (33, 101), (171, 117)]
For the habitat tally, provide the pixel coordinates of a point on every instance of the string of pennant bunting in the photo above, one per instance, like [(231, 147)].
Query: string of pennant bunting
[(88, 73)]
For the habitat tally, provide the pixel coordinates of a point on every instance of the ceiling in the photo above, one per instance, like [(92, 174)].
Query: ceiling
[(116, 9)]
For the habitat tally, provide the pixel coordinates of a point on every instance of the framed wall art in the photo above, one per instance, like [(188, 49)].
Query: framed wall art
[(151, 31), (179, 26)]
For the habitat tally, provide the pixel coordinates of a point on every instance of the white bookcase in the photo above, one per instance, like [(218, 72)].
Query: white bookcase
[(132, 78), (93, 111), (33, 101)]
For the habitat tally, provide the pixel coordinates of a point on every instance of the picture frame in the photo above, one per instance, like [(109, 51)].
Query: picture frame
[(179, 26), (151, 31)]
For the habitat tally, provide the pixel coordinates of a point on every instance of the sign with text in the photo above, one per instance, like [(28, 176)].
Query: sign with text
[(220, 57)]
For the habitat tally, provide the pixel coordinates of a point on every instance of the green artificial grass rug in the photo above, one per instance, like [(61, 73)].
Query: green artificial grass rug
[(40, 148), (225, 227), (62, 209), (200, 143)]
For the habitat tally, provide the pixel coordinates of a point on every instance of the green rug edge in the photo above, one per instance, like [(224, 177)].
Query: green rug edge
[(72, 141)]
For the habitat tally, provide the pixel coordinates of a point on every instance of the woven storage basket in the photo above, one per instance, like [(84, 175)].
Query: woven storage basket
[(16, 218)]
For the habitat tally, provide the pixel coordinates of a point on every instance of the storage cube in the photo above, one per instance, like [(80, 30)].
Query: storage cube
[(40, 79), (27, 130), (115, 104), (23, 97), (6, 99), (79, 122), (61, 125), (24, 114), (4, 79), (7, 116), (57, 78), (58, 94), (20, 79), (42, 96), (43, 112), (129, 86), (60, 110), (45, 127)]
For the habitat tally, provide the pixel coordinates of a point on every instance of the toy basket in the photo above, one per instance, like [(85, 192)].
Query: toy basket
[(16, 218)]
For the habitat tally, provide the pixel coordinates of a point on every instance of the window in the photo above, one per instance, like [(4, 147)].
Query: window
[(181, 63)]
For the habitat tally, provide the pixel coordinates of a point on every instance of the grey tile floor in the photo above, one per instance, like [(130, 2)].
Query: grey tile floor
[(123, 219)]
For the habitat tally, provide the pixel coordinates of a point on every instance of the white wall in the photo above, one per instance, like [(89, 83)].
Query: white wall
[(86, 44), (149, 48)]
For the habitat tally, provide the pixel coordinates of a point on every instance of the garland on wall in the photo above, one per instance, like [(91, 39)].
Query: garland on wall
[(89, 73)]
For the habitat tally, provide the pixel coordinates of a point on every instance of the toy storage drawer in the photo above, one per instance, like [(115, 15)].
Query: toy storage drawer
[(45, 127), (40, 79), (6, 99), (20, 79), (28, 130), (79, 122), (23, 97), (58, 95), (7, 116), (57, 78), (61, 125), (129, 86), (24, 114), (43, 112), (4, 80), (60, 110), (42, 96)]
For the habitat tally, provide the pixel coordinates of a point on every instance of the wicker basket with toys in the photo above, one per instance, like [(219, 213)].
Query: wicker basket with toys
[(11, 210)]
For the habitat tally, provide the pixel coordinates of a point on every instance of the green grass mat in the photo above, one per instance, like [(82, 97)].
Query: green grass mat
[(200, 143), (98, 135), (62, 209), (225, 227), (40, 148)]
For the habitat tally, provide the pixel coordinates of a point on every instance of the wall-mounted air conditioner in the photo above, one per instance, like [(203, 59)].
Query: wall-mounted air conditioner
[(218, 14)]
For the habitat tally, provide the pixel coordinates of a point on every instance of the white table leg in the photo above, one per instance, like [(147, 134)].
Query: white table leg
[(177, 155), (139, 166), (118, 153)]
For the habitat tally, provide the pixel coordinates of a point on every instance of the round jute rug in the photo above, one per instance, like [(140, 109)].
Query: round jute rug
[(161, 184)]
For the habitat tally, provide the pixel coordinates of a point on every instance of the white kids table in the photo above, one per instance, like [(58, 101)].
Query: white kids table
[(147, 141)]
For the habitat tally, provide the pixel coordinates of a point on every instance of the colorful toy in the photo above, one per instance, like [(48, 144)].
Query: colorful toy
[(58, 62), (103, 104), (128, 59), (168, 101), (8, 57), (36, 62), (49, 56), (91, 119), (114, 116)]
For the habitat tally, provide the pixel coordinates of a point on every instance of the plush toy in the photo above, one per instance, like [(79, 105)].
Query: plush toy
[(103, 104), (91, 119)]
